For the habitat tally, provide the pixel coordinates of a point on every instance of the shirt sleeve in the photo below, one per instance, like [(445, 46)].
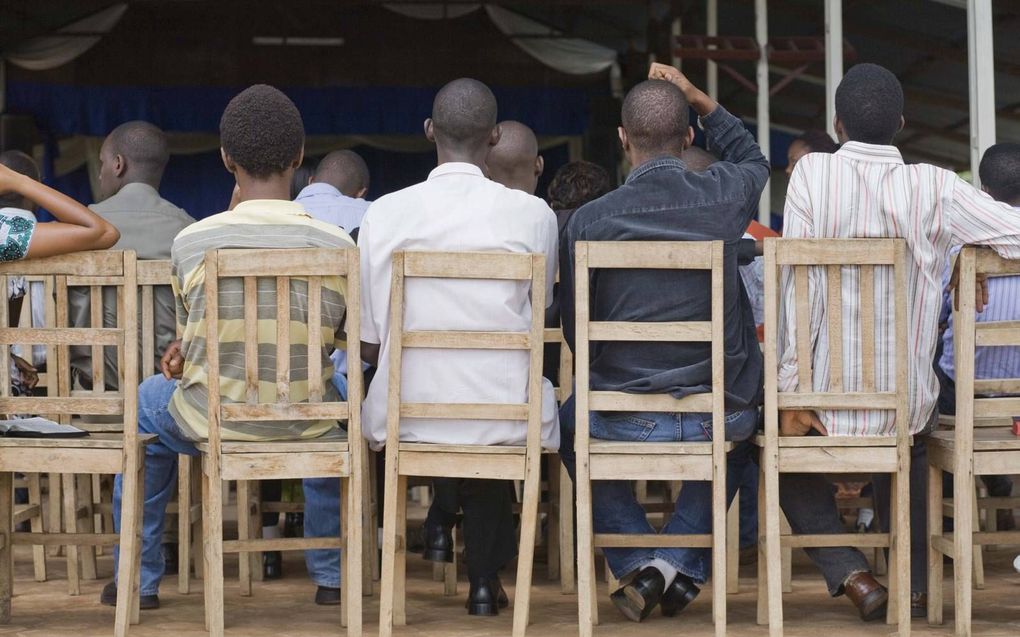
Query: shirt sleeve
[(16, 233), (797, 224), (370, 328), (742, 159), (550, 246), (976, 218)]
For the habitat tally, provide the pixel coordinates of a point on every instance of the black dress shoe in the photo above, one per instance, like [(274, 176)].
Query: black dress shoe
[(637, 599), (438, 542), (109, 598), (326, 596), (485, 597), (918, 605), (170, 566), (272, 565), (678, 595), (497, 587)]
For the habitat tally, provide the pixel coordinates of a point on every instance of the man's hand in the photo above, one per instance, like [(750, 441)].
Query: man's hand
[(697, 98), (172, 362), (980, 289), (799, 422), (29, 374)]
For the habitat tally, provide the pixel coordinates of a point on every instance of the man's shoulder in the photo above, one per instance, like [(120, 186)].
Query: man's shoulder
[(596, 209)]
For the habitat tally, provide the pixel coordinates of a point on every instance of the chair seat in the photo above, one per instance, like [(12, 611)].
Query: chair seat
[(985, 439), (516, 450), (314, 445), (92, 441), (829, 441)]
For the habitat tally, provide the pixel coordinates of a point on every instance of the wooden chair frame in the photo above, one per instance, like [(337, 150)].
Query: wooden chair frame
[(102, 453), (980, 443), (464, 461), (608, 460), (832, 454), (245, 461)]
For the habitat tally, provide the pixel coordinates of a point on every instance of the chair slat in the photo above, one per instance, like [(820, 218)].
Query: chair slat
[(294, 411), (998, 334), (61, 336), (251, 340), (281, 263), (675, 332), (802, 307), (834, 310), (282, 339), (853, 400), (467, 340), (621, 401), (836, 252), (314, 339), (650, 255), (867, 321), (464, 411), (468, 265)]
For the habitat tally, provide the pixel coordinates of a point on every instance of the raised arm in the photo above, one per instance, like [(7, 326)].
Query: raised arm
[(77, 228)]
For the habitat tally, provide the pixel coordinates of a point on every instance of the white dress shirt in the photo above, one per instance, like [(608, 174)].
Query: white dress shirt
[(456, 209), (866, 191)]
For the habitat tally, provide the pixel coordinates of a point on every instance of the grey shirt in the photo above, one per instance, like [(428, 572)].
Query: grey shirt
[(147, 224)]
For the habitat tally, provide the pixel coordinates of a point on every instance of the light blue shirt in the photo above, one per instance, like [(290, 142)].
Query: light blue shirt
[(327, 204), (1003, 305)]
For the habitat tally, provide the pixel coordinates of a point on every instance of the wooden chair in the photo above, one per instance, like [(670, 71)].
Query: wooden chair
[(461, 461), (834, 259), (102, 453), (981, 443), (608, 460), (560, 509), (330, 456)]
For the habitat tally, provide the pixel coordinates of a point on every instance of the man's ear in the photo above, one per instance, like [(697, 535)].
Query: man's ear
[(903, 122), (495, 135), (361, 193), (690, 138), (539, 166), (228, 162), (984, 189), (430, 131), (119, 165), (300, 158), (622, 133), (837, 125)]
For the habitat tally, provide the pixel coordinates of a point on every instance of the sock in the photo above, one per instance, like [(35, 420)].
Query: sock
[(270, 532), (668, 570)]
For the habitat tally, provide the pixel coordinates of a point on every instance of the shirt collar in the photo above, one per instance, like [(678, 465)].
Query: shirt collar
[(319, 188), (276, 206), (875, 153), (456, 168), (655, 164)]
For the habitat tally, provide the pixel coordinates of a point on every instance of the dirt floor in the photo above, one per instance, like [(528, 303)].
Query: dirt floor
[(284, 608)]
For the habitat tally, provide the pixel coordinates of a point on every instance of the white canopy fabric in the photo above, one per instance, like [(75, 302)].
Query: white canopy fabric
[(51, 51)]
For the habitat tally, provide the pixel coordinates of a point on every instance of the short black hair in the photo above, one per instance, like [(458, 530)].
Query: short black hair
[(21, 163), (261, 130), (869, 103), (1000, 172), (345, 170), (464, 113), (817, 141), (697, 158), (144, 146), (577, 183), (655, 116)]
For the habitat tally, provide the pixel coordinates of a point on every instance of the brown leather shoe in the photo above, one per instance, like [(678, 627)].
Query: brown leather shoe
[(918, 605), (867, 594)]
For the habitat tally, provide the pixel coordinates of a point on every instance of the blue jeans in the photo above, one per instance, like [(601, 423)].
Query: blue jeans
[(322, 510), (615, 509)]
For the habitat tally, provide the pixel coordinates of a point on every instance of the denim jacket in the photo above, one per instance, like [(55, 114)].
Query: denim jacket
[(663, 201)]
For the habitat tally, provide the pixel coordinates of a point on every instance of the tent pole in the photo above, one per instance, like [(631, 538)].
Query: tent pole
[(833, 59), (712, 69), (981, 76), (761, 30)]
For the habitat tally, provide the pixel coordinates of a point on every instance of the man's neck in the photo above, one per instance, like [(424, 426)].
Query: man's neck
[(475, 157), (273, 187)]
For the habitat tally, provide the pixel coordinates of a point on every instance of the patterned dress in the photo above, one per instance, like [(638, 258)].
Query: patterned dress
[(16, 229)]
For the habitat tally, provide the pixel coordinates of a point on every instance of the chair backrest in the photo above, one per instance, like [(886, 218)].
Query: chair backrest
[(565, 372), (981, 402), (94, 271), (492, 266), (819, 268), (153, 281), (649, 255), (241, 271)]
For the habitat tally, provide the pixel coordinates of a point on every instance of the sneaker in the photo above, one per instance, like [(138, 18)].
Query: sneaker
[(109, 598)]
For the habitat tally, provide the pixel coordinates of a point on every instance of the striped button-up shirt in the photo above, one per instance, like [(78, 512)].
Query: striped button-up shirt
[(866, 191)]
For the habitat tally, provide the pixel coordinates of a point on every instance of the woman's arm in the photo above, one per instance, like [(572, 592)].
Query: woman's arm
[(77, 228)]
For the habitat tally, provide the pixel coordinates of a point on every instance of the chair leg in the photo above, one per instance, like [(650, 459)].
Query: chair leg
[(763, 597), (243, 534), (255, 529), (354, 505), (69, 493), (963, 546), (375, 507), (773, 552), (391, 568), (787, 553), (526, 556), (568, 582), (36, 525), (369, 537), (552, 536), (719, 548), (83, 487), (587, 583), (53, 518), (7, 549), (128, 574), (900, 514), (212, 529), (979, 553), (195, 515), (345, 546), (935, 563), (733, 547), (184, 538)]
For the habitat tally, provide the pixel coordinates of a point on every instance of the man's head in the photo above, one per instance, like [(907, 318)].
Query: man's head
[(869, 105), (698, 159), (577, 183), (1000, 172), (19, 162), (810, 141), (262, 136), (346, 171), (463, 123), (655, 122), (134, 152), (514, 161)]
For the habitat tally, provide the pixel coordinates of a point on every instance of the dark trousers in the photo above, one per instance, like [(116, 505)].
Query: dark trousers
[(490, 539), (809, 501)]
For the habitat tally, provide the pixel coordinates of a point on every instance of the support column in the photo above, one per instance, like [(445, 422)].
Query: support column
[(981, 76), (712, 30), (761, 31), (833, 59)]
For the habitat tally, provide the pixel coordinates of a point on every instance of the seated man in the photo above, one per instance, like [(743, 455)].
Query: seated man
[(336, 190), (514, 161), (458, 209), (132, 160), (664, 201), (865, 190), (262, 139)]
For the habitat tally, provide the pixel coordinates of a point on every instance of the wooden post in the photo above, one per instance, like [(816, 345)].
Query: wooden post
[(761, 31), (981, 76), (712, 29), (833, 59)]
